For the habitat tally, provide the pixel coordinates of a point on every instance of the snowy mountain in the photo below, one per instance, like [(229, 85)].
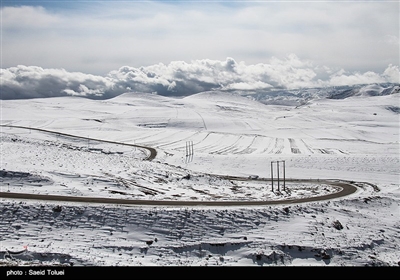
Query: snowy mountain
[(302, 96)]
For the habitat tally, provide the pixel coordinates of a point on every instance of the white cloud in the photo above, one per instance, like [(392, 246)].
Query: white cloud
[(32, 81), (247, 86), (27, 17), (181, 78), (102, 36), (392, 40), (357, 78), (390, 75)]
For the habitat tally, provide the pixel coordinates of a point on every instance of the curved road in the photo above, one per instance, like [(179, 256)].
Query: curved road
[(346, 188), (152, 155)]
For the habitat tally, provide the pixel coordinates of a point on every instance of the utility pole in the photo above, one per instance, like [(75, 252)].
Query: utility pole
[(272, 176), (277, 168), (278, 174), (189, 151), (284, 176)]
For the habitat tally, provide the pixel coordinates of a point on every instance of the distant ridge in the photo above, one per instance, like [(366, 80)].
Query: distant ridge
[(367, 90), (297, 97), (284, 97)]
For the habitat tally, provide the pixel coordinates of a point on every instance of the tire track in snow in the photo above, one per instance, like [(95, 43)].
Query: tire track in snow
[(308, 147), (204, 123), (215, 144), (278, 146), (293, 146), (248, 150), (179, 141), (268, 146), (229, 148)]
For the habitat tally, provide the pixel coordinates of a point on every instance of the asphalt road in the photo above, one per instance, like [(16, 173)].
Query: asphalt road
[(346, 188), (152, 151)]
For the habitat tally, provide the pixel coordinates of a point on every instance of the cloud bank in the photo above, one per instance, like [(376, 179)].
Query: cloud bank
[(180, 78), (99, 36)]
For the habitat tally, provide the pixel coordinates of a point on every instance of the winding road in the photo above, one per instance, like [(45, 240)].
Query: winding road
[(346, 187), (152, 151)]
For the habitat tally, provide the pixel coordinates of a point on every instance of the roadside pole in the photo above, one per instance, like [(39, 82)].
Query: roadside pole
[(277, 168), (284, 176), (272, 175), (189, 152), (278, 162)]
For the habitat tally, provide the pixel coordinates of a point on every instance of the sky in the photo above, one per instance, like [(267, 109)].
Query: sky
[(287, 44)]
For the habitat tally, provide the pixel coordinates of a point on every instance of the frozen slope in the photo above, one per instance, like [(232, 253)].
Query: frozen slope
[(236, 134), (356, 138)]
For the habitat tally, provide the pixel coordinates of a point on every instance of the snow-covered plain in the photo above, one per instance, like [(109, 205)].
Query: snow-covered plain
[(354, 139)]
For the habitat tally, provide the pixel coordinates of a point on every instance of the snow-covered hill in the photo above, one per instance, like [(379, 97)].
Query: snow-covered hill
[(354, 138)]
